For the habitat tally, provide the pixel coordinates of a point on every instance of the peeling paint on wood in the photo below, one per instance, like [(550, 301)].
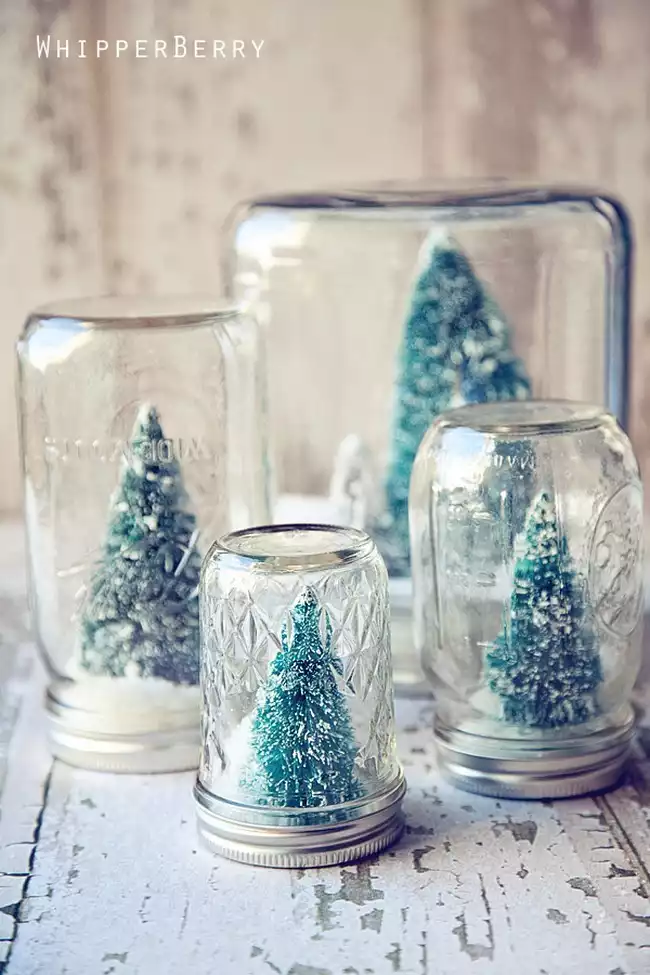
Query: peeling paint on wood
[(498, 887), (24, 799), (102, 875)]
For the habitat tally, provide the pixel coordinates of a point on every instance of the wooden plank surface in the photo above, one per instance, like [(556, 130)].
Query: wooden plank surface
[(117, 883), (548, 91), (50, 187), (328, 101), (102, 874), (119, 173)]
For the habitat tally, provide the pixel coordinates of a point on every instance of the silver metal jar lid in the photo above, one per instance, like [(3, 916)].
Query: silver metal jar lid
[(531, 768), (270, 837), (77, 738)]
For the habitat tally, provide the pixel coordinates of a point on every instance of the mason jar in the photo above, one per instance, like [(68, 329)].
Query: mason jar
[(143, 438), (383, 307), (298, 763), (527, 528)]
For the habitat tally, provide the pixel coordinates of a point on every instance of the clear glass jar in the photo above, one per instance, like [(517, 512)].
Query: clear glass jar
[(384, 307), (143, 438), (298, 765), (526, 526)]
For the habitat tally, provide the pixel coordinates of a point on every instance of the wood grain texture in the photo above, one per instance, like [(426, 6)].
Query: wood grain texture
[(50, 232), (549, 90), (101, 874), (118, 174), (111, 881), (327, 101), (138, 162)]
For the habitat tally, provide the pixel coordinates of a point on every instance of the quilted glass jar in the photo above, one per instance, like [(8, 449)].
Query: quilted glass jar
[(526, 523), (143, 439), (298, 764), (384, 307)]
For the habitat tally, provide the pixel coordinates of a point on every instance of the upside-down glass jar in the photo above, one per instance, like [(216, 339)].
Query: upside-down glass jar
[(143, 439), (298, 765), (526, 526), (383, 307)]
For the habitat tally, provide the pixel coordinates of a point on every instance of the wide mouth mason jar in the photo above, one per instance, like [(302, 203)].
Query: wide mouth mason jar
[(527, 531), (298, 763), (143, 438)]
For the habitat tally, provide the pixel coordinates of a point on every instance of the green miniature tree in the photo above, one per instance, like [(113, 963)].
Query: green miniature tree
[(545, 665), (141, 614), (303, 748), (455, 350)]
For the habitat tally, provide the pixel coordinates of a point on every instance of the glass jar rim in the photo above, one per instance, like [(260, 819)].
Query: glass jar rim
[(525, 417), (139, 311), (293, 547), (470, 192)]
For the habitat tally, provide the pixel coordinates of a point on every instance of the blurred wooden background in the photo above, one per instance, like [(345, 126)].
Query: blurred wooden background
[(117, 175)]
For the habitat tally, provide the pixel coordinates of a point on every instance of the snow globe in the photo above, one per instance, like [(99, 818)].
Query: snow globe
[(382, 308), (298, 763), (143, 438), (526, 531)]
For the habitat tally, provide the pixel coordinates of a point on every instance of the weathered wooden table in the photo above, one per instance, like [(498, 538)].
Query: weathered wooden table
[(102, 875)]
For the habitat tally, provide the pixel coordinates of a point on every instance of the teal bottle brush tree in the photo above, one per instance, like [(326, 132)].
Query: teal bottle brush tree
[(455, 350), (545, 665), (140, 617), (302, 746)]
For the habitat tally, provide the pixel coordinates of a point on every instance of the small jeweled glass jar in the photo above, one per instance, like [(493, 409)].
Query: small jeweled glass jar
[(298, 765), (143, 439), (526, 527)]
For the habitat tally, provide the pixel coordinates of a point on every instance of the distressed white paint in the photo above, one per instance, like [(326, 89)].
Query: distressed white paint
[(102, 875)]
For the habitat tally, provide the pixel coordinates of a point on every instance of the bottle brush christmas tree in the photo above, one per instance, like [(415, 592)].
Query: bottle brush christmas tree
[(545, 664), (141, 615), (455, 349), (302, 741)]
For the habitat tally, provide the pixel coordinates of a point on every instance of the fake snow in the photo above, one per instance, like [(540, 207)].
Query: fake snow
[(237, 749), (130, 704)]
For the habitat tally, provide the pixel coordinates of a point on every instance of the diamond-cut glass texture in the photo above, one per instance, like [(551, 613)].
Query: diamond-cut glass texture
[(243, 612)]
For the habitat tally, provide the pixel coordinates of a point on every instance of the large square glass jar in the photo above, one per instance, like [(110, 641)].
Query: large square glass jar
[(143, 439), (383, 308)]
